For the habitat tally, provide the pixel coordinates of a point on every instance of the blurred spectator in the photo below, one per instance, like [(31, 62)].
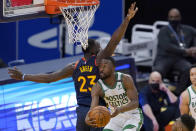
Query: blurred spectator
[(2, 64), (159, 104), (176, 44), (184, 123)]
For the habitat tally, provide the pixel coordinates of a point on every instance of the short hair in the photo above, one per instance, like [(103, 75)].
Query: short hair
[(192, 66), (91, 43), (112, 60), (188, 121)]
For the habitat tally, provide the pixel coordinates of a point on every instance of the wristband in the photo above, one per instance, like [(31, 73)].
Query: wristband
[(23, 76)]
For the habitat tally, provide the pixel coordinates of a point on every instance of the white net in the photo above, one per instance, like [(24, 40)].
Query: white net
[(78, 19)]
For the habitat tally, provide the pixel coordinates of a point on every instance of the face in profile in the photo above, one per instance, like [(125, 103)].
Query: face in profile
[(193, 76), (106, 68)]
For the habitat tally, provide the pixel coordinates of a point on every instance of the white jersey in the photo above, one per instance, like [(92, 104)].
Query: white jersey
[(115, 96), (192, 101)]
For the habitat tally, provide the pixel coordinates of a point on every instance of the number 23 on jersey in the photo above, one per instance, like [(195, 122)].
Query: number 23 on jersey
[(84, 82)]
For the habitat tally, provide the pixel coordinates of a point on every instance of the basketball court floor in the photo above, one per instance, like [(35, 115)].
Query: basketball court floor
[(34, 106)]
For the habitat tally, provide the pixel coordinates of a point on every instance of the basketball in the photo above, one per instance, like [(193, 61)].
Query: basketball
[(101, 114)]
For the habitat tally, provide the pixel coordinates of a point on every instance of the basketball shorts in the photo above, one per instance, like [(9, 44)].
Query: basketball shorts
[(127, 121)]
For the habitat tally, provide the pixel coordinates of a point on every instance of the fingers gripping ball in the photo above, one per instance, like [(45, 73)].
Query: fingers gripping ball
[(101, 115)]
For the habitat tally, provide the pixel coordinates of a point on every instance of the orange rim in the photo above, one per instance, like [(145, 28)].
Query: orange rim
[(52, 6)]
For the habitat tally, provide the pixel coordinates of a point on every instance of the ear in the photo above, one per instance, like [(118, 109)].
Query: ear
[(113, 68)]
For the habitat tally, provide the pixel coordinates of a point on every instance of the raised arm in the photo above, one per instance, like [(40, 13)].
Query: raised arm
[(117, 35), (184, 103), (43, 78)]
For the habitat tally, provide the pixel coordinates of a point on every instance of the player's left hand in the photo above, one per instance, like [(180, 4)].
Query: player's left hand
[(90, 121), (15, 73), (116, 112), (132, 11)]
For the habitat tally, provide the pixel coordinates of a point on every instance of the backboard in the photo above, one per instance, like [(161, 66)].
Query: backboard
[(12, 10)]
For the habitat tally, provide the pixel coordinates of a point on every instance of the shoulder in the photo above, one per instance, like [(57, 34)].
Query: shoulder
[(188, 27), (98, 89), (99, 83), (126, 77), (164, 28), (184, 95), (98, 86), (127, 81)]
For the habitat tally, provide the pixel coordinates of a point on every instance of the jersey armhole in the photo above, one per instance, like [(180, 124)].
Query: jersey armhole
[(101, 88), (76, 64), (121, 78), (189, 97)]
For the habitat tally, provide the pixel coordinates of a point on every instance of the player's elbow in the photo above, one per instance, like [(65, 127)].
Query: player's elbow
[(134, 104), (49, 80)]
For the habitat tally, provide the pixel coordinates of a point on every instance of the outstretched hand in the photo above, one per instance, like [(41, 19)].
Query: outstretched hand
[(15, 73), (132, 11)]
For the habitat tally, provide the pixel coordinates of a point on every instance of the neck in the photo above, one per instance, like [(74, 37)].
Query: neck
[(176, 28), (194, 86), (87, 56), (111, 80)]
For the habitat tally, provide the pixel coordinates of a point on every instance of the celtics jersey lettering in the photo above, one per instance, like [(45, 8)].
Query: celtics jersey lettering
[(192, 101), (115, 96)]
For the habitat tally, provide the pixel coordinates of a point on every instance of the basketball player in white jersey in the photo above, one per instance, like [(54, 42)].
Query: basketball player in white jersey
[(120, 94), (188, 97)]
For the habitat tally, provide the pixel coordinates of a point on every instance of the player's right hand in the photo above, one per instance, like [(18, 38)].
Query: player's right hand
[(132, 11), (15, 73), (90, 121)]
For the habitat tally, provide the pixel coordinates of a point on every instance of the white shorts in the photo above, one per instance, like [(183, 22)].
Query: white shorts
[(127, 121)]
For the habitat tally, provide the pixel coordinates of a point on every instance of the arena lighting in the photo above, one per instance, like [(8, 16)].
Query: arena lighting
[(122, 67)]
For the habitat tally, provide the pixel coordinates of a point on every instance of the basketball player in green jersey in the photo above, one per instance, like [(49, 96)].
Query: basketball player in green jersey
[(120, 94)]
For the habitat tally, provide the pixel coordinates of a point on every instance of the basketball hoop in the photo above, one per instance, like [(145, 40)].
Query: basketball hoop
[(78, 15)]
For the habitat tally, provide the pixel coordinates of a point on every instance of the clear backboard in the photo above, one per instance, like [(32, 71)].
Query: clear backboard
[(12, 10)]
